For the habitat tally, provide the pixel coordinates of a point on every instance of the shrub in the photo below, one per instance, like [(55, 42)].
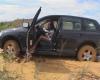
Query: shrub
[(5, 74)]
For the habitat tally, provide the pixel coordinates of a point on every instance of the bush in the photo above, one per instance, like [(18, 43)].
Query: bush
[(4, 25), (4, 74)]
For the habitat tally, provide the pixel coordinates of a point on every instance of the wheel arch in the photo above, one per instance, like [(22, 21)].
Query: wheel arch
[(10, 38), (91, 43)]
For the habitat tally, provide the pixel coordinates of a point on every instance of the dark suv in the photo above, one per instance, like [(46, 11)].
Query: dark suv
[(74, 36)]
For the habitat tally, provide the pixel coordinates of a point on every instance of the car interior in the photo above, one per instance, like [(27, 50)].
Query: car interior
[(44, 44)]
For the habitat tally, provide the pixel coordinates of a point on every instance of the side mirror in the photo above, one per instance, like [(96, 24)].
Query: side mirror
[(25, 24)]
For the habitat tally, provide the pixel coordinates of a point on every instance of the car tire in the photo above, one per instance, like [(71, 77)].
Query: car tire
[(11, 47), (87, 53)]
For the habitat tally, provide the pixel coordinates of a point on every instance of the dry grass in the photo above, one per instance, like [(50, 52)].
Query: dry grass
[(52, 69)]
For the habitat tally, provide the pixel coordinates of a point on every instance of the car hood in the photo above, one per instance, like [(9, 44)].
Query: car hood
[(14, 30)]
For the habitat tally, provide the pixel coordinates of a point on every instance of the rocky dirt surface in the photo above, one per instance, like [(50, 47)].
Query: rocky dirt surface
[(47, 68), (54, 69)]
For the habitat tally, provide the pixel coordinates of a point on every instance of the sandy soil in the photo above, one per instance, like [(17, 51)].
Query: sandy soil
[(54, 69)]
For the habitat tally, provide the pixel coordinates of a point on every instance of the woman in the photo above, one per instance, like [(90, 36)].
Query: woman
[(46, 34)]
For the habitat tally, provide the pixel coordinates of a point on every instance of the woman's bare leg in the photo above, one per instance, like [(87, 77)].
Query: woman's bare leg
[(35, 45)]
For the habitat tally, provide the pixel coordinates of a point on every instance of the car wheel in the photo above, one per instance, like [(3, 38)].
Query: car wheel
[(87, 53), (11, 47)]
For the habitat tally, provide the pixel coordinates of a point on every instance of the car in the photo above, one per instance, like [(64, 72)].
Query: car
[(74, 36)]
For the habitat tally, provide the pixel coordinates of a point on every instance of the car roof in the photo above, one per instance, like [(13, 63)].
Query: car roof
[(57, 16)]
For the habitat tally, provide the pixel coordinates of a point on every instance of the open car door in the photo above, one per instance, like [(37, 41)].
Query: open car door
[(31, 33)]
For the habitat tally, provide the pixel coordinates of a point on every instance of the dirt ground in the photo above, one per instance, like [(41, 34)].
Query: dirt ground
[(54, 69)]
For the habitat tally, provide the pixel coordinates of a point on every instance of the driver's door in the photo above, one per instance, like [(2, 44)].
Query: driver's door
[(31, 33)]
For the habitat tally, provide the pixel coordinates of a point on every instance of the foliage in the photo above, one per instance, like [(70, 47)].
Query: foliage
[(7, 57), (5, 74), (4, 25), (15, 23)]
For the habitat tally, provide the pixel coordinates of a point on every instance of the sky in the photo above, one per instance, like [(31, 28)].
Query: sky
[(20, 9)]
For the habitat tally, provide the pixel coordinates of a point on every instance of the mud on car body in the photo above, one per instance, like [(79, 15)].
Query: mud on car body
[(74, 36)]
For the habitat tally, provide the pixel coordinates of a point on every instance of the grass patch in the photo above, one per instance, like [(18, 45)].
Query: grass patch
[(4, 25), (4, 73)]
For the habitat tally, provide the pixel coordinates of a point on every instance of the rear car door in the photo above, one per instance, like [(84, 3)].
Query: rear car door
[(91, 31), (69, 34)]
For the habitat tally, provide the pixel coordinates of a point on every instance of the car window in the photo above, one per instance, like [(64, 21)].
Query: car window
[(71, 26), (77, 26), (44, 23), (90, 26), (67, 25)]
